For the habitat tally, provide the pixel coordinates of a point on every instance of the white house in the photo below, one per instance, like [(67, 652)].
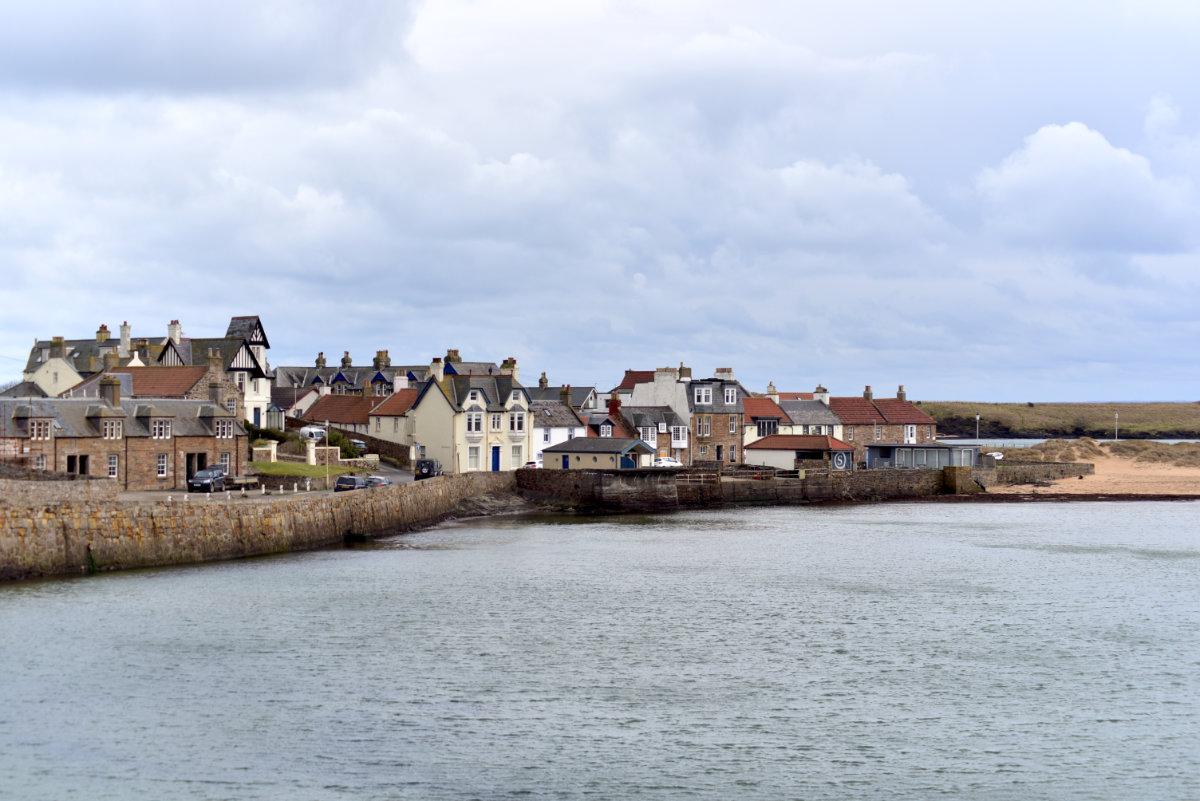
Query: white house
[(554, 422)]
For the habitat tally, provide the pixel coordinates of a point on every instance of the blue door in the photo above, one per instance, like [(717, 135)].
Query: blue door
[(495, 458), (566, 462), (257, 417)]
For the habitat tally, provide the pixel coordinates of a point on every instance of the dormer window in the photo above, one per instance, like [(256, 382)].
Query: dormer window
[(223, 429), (730, 395), (605, 430), (160, 429), (703, 395), (39, 429), (112, 429)]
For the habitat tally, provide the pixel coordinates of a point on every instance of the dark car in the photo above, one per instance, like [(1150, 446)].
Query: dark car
[(210, 479), (427, 468), (347, 483), (378, 481)]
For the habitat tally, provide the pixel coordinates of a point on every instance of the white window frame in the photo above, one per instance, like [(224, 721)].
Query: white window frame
[(545, 435), (112, 429), (516, 422), (910, 434), (224, 460), (679, 434), (160, 429), (474, 422), (497, 421), (473, 457), (649, 434), (606, 430), (730, 396), (733, 424), (39, 430), (378, 424), (516, 456), (395, 425), (161, 465), (703, 396), (878, 432), (114, 465)]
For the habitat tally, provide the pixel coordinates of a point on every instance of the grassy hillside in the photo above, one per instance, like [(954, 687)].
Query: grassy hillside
[(1138, 420)]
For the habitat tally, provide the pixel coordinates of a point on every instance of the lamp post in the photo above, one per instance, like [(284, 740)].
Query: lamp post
[(977, 425), (1116, 426), (326, 454)]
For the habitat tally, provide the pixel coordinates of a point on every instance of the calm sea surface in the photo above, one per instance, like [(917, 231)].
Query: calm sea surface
[(908, 651)]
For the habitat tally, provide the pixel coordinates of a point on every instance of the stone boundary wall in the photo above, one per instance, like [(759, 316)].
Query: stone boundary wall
[(601, 490), (36, 492), (1016, 473), (76, 537)]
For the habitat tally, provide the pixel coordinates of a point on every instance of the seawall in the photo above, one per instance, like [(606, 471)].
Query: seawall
[(41, 535)]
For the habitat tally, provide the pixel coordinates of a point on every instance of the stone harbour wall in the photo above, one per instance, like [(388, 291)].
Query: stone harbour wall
[(65, 537), (25, 491), (1015, 473)]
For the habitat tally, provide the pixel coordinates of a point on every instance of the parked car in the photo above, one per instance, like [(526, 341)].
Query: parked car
[(210, 479), (378, 481), (531, 465), (312, 432), (427, 468), (348, 483), (358, 443), (667, 461)]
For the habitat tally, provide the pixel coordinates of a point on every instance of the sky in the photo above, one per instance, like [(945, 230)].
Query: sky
[(987, 201)]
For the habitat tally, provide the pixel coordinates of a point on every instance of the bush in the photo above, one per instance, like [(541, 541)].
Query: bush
[(257, 433)]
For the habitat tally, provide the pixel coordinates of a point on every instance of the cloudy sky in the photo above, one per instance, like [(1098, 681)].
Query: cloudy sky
[(992, 200)]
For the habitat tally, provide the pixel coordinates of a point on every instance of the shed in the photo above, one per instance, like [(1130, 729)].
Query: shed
[(596, 453), (791, 451), (924, 455)]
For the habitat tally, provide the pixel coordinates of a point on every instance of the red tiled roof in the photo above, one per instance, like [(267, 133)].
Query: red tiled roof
[(163, 382), (856, 411), (796, 396), (762, 407), (634, 377), (352, 409), (397, 404), (798, 442), (903, 412)]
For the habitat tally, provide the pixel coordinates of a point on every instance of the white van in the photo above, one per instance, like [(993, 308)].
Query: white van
[(312, 432)]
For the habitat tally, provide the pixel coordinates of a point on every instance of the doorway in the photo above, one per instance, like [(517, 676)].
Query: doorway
[(195, 462), (718, 453)]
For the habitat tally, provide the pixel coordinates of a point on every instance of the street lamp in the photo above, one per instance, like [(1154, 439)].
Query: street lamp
[(1116, 426), (977, 425), (326, 454)]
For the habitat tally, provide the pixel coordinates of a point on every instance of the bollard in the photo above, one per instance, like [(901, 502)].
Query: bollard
[(243, 492), (168, 499), (208, 497), (228, 495), (295, 487), (263, 487)]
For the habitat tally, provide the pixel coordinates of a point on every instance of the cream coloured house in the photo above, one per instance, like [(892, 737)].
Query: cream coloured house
[(473, 423), (391, 421)]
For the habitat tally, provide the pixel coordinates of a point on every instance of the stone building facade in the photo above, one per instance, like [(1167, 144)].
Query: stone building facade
[(717, 418), (868, 420)]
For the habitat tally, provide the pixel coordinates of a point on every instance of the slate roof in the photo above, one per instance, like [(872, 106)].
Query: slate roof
[(599, 445), (760, 406), (633, 378), (85, 355), (287, 397), (798, 442), (809, 412), (578, 395), (344, 409), (25, 389), (244, 328), (554, 414), (718, 405), (356, 376), (81, 417), (620, 428), (144, 382), (470, 368), (397, 404), (650, 416), (495, 389)]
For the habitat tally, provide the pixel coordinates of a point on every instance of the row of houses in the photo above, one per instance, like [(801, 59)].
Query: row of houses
[(468, 415)]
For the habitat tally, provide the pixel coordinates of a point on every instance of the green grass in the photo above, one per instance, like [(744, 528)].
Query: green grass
[(1144, 420), (297, 469)]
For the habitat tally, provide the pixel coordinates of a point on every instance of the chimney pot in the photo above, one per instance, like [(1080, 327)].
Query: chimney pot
[(346, 360), (320, 359), (901, 394), (110, 390), (102, 333), (867, 393), (543, 382)]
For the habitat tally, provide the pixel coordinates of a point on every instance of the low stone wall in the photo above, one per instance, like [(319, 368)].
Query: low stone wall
[(74, 537), (1015, 473), (42, 491), (600, 490)]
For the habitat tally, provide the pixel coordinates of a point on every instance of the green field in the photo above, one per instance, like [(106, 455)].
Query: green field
[(1138, 420)]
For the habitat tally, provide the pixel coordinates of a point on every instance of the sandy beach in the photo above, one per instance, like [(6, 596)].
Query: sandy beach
[(1118, 476)]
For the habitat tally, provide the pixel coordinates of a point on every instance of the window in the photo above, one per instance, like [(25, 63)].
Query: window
[(516, 421), (733, 424), (929, 432), (395, 425), (420, 451), (516, 456), (733, 453), (39, 463), (474, 422), (679, 434), (516, 396), (768, 427), (113, 464), (381, 388), (649, 434), (160, 429), (224, 460), (473, 395), (849, 434), (703, 395), (378, 424), (497, 421), (223, 429), (878, 431), (704, 450), (545, 435), (231, 406), (730, 395), (162, 465), (605, 430), (703, 426), (111, 429), (39, 429), (570, 433), (240, 380), (257, 386), (473, 457), (910, 433)]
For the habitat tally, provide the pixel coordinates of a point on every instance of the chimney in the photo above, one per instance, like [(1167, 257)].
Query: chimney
[(346, 360), (102, 333), (110, 390), (216, 364), (564, 394), (321, 359), (111, 360), (143, 351), (377, 362), (821, 394), (724, 373), (901, 394), (452, 356), (437, 369), (58, 350), (543, 382), (214, 392), (867, 393), (614, 405), (387, 358), (509, 367), (174, 331), (685, 373), (126, 334), (772, 393)]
